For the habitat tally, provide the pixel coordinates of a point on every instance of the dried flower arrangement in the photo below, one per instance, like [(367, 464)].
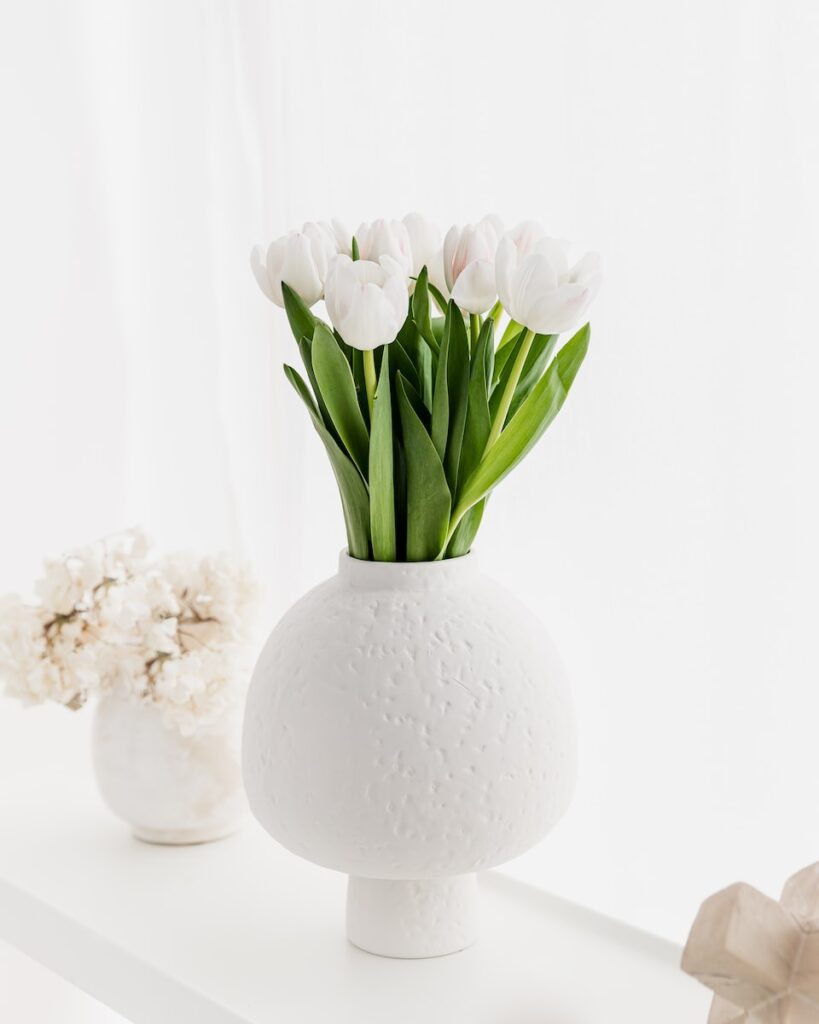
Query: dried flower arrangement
[(172, 631)]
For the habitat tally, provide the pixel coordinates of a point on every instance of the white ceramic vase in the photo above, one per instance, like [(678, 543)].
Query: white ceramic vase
[(170, 788), (409, 724)]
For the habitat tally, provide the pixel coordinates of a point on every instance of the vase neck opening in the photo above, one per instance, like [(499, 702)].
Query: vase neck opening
[(366, 575)]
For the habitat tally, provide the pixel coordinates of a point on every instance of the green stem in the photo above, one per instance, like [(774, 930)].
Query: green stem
[(475, 329), (512, 328), (495, 312), (509, 390), (454, 522), (369, 379)]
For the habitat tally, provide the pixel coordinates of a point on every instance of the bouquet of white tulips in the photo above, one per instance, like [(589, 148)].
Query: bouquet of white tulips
[(423, 411)]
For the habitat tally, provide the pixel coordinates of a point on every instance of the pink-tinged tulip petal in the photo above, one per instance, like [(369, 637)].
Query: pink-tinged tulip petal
[(495, 222), (587, 270), (526, 236), (474, 289), (535, 276), (385, 238), (464, 247), (535, 284), (559, 310), (556, 250)]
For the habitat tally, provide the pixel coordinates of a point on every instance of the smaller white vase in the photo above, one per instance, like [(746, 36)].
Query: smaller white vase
[(171, 789)]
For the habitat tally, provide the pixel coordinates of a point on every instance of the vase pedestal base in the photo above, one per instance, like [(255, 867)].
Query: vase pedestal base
[(412, 919), (184, 836)]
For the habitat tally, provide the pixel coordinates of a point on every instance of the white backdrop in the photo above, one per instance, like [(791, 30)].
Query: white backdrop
[(666, 527)]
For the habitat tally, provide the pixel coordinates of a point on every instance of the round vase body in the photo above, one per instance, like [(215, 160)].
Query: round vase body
[(409, 724), (170, 788)]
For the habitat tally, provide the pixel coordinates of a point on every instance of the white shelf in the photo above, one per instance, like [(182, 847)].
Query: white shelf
[(242, 932)]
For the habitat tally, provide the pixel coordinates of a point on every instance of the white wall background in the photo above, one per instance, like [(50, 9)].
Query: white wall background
[(666, 527)]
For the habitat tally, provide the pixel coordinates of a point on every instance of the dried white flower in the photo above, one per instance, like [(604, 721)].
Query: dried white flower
[(173, 633)]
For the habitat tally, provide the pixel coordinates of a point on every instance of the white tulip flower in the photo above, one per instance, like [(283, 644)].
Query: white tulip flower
[(367, 301), (385, 238), (536, 285), (300, 258), (425, 242), (436, 273), (469, 264), (338, 234)]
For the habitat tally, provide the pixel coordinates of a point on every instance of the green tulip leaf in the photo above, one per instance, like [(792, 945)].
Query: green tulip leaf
[(421, 311), (489, 356), (401, 362), (348, 350), (382, 497), (301, 320), (440, 399), (357, 366), (465, 532), (458, 386), (420, 354), (355, 500), (337, 387), (428, 497), (526, 427), (439, 300), (416, 402), (504, 360), (478, 422), (513, 329), (307, 359), (540, 354)]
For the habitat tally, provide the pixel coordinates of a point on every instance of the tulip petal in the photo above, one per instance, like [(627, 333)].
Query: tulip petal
[(560, 310), (526, 236), (436, 273), (366, 322), (495, 222), (450, 245), (385, 238), (299, 270), (341, 236), (474, 291), (556, 250), (506, 263), (367, 302), (425, 241), (341, 288), (536, 277), (588, 267), (396, 291)]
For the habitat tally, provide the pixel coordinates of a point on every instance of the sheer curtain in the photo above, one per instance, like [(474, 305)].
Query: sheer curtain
[(665, 529)]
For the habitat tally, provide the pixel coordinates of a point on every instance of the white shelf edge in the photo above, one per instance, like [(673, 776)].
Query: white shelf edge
[(119, 979)]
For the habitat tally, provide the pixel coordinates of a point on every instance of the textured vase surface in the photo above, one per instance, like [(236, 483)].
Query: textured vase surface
[(409, 724), (168, 787)]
